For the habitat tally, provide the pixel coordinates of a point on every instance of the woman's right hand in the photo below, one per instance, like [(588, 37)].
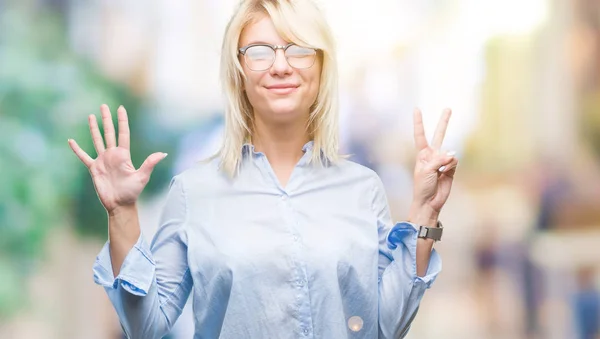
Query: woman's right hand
[(118, 184)]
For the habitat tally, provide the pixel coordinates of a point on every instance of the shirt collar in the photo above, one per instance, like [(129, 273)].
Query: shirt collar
[(248, 148)]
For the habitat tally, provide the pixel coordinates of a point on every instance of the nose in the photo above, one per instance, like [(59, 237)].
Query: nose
[(280, 65)]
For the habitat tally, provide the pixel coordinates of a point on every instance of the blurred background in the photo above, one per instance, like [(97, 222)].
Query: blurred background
[(522, 246)]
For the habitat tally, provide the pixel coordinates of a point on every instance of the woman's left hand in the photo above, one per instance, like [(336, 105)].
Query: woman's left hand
[(434, 172)]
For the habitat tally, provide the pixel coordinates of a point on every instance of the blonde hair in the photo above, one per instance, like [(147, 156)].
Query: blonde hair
[(298, 21)]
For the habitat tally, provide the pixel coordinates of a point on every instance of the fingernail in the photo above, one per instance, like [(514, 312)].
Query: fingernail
[(165, 155), (451, 153), (121, 107), (442, 168)]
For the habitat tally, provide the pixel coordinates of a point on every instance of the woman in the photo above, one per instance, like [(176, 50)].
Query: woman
[(277, 236)]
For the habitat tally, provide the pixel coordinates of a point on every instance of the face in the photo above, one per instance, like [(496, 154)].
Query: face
[(281, 93)]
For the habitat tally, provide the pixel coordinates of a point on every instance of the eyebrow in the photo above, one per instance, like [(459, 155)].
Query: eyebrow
[(259, 42), (263, 43)]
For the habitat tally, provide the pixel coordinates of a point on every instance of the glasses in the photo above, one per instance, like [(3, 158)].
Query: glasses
[(260, 57)]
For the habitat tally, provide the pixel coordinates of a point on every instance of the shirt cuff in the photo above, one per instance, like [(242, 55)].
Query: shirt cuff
[(402, 240), (136, 274)]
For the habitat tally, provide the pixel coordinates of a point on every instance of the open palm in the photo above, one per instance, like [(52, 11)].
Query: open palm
[(116, 180)]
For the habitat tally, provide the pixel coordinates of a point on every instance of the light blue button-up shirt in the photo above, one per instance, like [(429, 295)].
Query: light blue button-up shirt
[(319, 258)]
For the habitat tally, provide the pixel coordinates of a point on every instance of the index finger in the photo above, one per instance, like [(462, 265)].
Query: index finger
[(123, 124), (440, 131), (419, 130)]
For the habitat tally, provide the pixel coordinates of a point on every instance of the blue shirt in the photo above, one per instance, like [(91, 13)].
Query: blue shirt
[(319, 258)]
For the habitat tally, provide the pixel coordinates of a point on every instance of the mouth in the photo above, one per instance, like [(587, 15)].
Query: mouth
[(282, 89)]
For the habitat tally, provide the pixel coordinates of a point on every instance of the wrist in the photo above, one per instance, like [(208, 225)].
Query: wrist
[(423, 215), (123, 210), (123, 225)]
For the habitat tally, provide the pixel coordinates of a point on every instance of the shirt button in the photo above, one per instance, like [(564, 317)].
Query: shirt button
[(295, 237), (301, 282), (284, 197), (305, 331)]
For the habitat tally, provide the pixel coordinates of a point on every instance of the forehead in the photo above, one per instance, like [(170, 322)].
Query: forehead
[(261, 30)]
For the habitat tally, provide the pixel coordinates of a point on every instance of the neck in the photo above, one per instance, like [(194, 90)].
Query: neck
[(281, 143)]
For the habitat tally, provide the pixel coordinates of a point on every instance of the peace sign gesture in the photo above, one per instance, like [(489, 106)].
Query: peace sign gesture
[(116, 180), (434, 169)]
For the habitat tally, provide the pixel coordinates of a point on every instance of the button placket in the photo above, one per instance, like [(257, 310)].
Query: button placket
[(302, 303), (291, 219)]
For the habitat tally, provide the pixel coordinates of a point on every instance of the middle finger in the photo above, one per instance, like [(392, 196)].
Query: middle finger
[(440, 131), (109, 128)]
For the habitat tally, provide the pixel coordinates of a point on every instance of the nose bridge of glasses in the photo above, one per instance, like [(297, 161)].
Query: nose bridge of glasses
[(282, 57)]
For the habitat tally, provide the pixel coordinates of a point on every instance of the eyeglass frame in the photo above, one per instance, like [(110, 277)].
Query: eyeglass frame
[(242, 51)]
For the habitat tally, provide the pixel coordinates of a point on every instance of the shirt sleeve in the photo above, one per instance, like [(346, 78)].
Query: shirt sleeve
[(154, 281), (400, 289)]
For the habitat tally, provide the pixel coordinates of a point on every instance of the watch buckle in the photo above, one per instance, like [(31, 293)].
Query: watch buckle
[(423, 232)]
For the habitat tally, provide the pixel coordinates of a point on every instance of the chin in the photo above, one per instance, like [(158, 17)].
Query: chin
[(285, 110)]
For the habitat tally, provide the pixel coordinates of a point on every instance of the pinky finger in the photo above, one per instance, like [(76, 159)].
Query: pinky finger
[(84, 157)]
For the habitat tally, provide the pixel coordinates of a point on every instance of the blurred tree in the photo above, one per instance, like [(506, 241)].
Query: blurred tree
[(46, 93)]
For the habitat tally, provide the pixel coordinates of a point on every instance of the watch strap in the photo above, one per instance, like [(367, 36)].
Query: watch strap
[(434, 233)]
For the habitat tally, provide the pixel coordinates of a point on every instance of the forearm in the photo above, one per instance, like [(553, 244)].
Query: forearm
[(135, 294), (403, 284), (123, 232), (398, 303), (126, 269), (425, 216)]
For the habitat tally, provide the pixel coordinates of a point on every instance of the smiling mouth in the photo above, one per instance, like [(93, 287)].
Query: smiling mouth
[(282, 89)]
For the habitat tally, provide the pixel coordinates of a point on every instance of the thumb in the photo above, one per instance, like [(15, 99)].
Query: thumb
[(151, 161)]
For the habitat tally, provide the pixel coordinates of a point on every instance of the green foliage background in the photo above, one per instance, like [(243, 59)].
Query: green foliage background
[(46, 93)]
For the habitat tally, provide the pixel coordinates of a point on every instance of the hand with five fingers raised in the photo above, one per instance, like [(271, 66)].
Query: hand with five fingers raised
[(117, 182)]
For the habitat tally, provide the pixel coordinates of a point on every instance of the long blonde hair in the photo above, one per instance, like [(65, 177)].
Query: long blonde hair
[(298, 21)]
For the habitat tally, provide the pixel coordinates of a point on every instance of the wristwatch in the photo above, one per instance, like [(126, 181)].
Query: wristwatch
[(434, 233)]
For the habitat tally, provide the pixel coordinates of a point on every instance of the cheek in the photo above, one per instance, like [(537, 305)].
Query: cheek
[(248, 82), (251, 87)]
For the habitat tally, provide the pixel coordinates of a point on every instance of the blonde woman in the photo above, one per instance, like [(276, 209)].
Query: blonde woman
[(277, 236)]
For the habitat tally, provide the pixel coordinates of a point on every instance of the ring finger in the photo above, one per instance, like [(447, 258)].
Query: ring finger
[(96, 137), (449, 166)]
